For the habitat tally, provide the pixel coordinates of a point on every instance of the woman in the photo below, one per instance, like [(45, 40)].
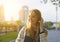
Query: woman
[(31, 32)]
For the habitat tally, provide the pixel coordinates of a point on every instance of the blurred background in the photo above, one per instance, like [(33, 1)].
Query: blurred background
[(14, 13)]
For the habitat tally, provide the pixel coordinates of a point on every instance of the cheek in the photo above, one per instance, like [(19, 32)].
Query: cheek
[(28, 19), (35, 19)]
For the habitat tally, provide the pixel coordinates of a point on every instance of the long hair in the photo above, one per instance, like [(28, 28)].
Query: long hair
[(38, 14)]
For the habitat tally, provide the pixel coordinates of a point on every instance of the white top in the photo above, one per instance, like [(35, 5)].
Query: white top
[(21, 35)]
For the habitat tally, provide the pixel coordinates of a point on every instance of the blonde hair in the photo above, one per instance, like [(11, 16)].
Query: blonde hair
[(38, 14)]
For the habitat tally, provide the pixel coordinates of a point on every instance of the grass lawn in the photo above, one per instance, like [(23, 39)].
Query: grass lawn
[(8, 37)]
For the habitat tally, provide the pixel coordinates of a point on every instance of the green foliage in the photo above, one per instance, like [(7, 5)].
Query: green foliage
[(19, 23), (48, 24), (59, 24), (3, 23), (53, 27)]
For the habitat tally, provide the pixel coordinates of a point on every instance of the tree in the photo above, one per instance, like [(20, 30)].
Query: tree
[(48, 24), (19, 23), (4, 23), (59, 24), (3, 26)]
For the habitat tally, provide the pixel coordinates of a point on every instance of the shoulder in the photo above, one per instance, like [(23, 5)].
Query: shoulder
[(21, 34), (22, 30)]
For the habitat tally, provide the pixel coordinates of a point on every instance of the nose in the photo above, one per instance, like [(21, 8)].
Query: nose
[(30, 17)]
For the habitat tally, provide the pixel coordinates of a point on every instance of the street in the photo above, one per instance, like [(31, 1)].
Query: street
[(53, 36)]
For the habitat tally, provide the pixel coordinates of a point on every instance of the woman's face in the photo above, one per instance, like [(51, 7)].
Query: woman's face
[(33, 18)]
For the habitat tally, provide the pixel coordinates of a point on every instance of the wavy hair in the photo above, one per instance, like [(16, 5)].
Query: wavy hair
[(37, 13)]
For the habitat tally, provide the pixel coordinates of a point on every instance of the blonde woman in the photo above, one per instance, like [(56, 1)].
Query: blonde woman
[(31, 32)]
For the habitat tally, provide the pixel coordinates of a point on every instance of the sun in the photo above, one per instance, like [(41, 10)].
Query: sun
[(10, 12)]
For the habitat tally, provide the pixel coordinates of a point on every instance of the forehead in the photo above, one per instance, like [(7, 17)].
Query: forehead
[(32, 13)]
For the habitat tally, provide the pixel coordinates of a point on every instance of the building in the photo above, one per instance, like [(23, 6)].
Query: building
[(23, 13), (2, 13)]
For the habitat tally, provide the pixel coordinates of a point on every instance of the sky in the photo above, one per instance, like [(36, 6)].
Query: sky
[(12, 7)]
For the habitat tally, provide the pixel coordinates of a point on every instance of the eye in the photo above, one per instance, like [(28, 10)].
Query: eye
[(33, 16)]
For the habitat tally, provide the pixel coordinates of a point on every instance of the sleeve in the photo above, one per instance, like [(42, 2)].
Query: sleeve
[(21, 35)]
